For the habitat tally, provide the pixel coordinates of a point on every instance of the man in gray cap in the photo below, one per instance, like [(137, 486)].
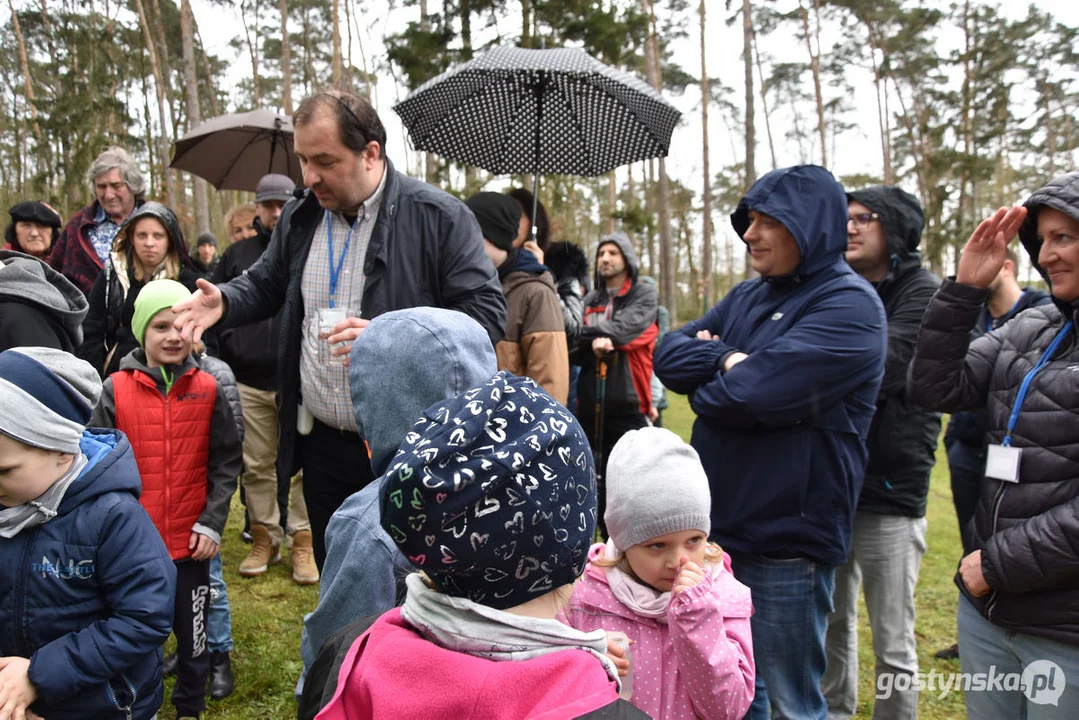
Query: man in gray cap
[(251, 350)]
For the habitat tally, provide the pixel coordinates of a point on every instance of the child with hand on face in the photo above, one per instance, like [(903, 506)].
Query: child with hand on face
[(189, 454), (660, 581), (87, 593)]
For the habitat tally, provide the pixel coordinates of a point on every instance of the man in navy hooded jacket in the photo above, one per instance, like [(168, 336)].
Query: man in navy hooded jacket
[(783, 375)]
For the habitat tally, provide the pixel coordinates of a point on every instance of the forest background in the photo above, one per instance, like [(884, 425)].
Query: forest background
[(968, 104)]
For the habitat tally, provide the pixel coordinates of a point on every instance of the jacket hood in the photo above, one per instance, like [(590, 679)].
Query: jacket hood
[(810, 203), (29, 280), (111, 468), (407, 360), (168, 219), (566, 260), (626, 246), (1061, 194), (136, 360), (901, 217)]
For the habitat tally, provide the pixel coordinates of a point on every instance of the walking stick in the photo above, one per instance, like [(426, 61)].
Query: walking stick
[(601, 411)]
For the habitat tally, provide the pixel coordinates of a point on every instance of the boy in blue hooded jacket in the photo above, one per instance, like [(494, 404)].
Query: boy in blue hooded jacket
[(87, 597), (783, 374)]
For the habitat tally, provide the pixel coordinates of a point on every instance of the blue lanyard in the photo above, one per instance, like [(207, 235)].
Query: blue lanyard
[(1007, 314), (1025, 386), (336, 273)]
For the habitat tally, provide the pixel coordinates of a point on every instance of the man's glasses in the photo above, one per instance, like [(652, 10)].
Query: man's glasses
[(862, 220)]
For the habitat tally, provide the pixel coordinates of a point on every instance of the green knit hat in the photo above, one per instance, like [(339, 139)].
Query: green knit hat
[(155, 297)]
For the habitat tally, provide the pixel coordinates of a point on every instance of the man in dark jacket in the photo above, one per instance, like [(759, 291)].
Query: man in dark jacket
[(206, 257), (251, 351), (783, 374), (888, 536), (363, 240), (965, 438), (1020, 581)]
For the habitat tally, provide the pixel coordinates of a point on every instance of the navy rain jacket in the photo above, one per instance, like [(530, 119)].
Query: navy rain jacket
[(782, 435), (88, 596)]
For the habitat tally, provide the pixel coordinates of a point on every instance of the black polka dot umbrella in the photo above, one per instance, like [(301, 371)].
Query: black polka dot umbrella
[(516, 110)]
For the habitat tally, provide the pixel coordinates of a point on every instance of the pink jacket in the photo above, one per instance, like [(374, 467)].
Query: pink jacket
[(699, 664), (392, 672)]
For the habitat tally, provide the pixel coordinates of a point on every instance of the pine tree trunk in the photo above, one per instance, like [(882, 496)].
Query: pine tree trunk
[(667, 294), (612, 201), (814, 66), (335, 19), (708, 285), (751, 135), (194, 113), (206, 69), (764, 101), (526, 23), (24, 62), (159, 83), (252, 49)]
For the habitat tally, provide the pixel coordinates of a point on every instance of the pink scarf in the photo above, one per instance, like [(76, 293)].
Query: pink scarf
[(638, 597)]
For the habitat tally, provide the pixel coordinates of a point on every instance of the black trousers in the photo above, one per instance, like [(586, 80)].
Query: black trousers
[(189, 626), (335, 465)]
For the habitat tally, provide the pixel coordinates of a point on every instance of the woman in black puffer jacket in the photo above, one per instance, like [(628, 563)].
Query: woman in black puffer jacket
[(149, 246), (1020, 585)]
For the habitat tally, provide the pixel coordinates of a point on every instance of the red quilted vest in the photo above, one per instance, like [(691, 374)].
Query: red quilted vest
[(171, 439)]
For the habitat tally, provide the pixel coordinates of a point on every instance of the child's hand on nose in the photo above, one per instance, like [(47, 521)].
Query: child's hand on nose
[(689, 574)]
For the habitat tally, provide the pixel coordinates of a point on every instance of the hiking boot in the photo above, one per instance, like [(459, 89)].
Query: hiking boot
[(948, 653), (304, 569), (221, 682), (263, 553), (171, 661)]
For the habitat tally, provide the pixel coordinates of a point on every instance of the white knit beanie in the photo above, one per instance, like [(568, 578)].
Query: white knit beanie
[(655, 485)]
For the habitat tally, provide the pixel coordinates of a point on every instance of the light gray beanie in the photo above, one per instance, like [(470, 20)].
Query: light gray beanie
[(655, 485), (46, 397)]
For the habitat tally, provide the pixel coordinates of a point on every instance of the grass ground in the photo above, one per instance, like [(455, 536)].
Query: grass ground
[(267, 615)]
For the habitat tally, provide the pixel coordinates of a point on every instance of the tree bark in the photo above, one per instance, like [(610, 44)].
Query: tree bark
[(206, 69), (286, 60), (335, 76), (194, 113), (612, 200), (764, 101), (25, 63), (159, 83), (812, 34), (252, 49), (751, 135), (667, 292), (707, 283), (526, 23)]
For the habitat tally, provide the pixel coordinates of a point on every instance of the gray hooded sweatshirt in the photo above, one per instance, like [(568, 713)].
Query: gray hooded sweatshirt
[(38, 306)]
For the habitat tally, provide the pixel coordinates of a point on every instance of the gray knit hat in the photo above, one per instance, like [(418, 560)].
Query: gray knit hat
[(655, 485), (46, 397)]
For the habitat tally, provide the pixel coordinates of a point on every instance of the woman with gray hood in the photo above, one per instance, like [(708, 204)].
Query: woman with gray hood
[(1018, 615), (38, 306)]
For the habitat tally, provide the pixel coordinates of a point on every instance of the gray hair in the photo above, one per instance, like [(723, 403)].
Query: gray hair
[(116, 158)]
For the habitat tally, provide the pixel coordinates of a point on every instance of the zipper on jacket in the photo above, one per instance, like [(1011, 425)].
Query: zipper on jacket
[(991, 603), (168, 475), (125, 709), (20, 589)]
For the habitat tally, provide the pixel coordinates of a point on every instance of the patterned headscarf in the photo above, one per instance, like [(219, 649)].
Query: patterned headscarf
[(494, 494)]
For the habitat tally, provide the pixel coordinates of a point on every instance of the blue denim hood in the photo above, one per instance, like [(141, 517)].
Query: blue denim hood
[(407, 360)]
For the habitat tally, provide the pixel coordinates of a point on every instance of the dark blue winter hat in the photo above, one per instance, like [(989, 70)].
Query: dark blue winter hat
[(493, 494)]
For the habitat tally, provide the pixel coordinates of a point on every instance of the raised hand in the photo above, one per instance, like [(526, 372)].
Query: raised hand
[(199, 312), (984, 254)]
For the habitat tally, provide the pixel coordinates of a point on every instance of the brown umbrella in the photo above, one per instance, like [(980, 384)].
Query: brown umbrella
[(233, 151)]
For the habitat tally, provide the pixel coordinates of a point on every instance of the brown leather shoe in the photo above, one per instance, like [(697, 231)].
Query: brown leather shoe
[(304, 569), (263, 553)]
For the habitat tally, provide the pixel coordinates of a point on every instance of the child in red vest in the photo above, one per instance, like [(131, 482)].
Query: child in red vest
[(189, 455)]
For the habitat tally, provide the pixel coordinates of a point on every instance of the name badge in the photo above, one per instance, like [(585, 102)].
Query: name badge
[(1002, 463)]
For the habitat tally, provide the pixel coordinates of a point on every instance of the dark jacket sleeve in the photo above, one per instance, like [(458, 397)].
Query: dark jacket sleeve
[(24, 325), (949, 372), (139, 582), (1039, 553), (105, 411), (226, 382), (572, 309), (903, 326), (92, 349), (467, 279), (226, 461), (629, 321), (260, 292), (682, 362), (834, 348)]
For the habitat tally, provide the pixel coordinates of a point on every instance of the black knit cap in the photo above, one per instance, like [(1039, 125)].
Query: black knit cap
[(35, 212), (499, 217)]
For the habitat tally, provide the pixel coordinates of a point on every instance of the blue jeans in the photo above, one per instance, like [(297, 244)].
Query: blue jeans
[(791, 603), (1053, 692), (219, 619)]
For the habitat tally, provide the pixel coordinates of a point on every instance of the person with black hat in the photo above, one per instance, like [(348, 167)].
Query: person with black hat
[(206, 254), (34, 227), (535, 342), (251, 351)]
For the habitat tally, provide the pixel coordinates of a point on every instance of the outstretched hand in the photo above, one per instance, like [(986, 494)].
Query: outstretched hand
[(200, 312), (985, 251)]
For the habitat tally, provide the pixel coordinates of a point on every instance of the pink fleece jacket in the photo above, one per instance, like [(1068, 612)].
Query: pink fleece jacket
[(697, 665), (392, 672)]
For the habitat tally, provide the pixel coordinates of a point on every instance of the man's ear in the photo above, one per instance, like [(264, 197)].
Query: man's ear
[(371, 153)]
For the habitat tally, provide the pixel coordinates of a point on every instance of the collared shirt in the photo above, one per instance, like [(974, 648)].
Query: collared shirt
[(102, 234), (324, 386)]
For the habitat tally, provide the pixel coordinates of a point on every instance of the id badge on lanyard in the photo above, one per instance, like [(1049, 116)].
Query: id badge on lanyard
[(1002, 461)]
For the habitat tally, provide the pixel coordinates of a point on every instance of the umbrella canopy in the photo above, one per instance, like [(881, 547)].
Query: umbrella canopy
[(518, 110), (233, 151)]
